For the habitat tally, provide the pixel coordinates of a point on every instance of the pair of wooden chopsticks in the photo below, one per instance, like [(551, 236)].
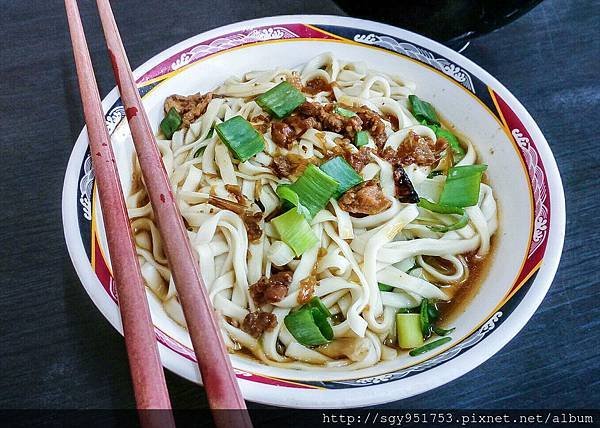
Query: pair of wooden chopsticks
[(146, 371)]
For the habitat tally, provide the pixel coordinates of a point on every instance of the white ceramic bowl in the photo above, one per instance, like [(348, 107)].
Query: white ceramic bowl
[(522, 171)]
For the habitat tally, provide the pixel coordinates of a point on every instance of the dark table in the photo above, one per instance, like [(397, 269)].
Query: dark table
[(57, 349)]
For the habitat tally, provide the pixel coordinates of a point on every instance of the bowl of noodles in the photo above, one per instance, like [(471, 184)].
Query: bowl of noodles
[(370, 210)]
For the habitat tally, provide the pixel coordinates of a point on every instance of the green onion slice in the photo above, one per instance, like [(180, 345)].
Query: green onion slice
[(433, 311), (199, 152), (285, 193), (452, 140), (384, 287), (281, 100), (428, 347), (462, 222), (442, 332), (424, 318), (439, 208), (314, 189), (423, 111), (316, 304), (295, 231), (241, 137), (171, 123), (361, 138), (409, 330), (415, 266), (435, 174), (343, 173), (344, 112), (322, 323), (306, 329), (309, 324), (461, 188)]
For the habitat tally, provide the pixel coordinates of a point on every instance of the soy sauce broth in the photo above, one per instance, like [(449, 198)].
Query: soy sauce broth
[(462, 293)]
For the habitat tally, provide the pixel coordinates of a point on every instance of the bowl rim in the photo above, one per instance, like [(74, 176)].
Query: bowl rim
[(378, 392)]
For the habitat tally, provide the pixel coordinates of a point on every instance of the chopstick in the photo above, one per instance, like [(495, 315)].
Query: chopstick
[(146, 370), (213, 360)]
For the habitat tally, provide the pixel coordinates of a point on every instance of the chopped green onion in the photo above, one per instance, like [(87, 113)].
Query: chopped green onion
[(316, 303), (415, 266), (308, 329), (171, 123), (439, 208), (281, 100), (199, 152), (462, 222), (309, 324), (423, 111), (344, 112), (435, 174), (462, 186), (384, 287), (424, 318), (361, 138), (404, 311), (442, 332), (314, 189), (241, 137), (295, 231), (452, 140), (343, 173), (428, 347), (322, 323), (409, 330), (286, 194), (433, 311)]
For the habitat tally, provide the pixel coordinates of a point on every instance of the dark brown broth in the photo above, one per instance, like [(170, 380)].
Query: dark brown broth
[(463, 293)]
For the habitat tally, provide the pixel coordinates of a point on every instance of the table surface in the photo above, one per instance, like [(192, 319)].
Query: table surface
[(58, 351)]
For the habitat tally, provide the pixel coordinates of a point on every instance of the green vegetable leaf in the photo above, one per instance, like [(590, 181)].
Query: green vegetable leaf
[(295, 231), (171, 123), (384, 287), (309, 324), (462, 222), (443, 332), (361, 138), (281, 100), (439, 208), (457, 150), (423, 111), (314, 189), (424, 318), (341, 171), (344, 112), (241, 137), (429, 346), (199, 152), (433, 311), (461, 188), (285, 193)]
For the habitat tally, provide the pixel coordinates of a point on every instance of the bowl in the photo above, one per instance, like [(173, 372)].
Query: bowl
[(522, 171)]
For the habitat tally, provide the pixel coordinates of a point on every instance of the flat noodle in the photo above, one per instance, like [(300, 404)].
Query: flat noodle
[(354, 254)]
